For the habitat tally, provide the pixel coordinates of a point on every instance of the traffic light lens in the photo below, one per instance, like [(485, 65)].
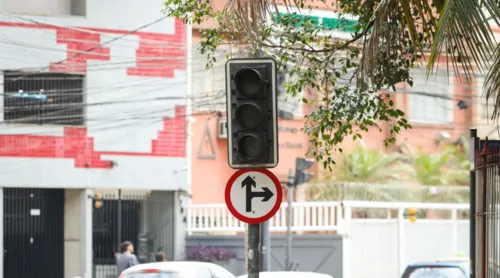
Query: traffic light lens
[(250, 146), (248, 81), (249, 115)]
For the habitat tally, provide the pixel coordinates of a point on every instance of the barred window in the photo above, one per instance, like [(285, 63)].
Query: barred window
[(431, 101), (43, 98)]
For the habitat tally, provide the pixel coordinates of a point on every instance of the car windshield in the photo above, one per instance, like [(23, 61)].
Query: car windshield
[(434, 272), (151, 275)]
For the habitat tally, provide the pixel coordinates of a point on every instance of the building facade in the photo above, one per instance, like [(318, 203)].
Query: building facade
[(434, 107), (93, 100)]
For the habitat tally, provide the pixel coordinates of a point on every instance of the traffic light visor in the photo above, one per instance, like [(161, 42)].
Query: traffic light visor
[(248, 81)]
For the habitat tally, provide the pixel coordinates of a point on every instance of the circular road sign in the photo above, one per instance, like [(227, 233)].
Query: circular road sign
[(253, 196)]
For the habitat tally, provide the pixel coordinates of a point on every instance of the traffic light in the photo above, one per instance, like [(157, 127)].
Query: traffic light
[(252, 124), (302, 164), (412, 215), (97, 200)]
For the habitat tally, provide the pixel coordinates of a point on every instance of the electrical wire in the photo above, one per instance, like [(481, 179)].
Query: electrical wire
[(26, 159), (93, 31), (97, 47)]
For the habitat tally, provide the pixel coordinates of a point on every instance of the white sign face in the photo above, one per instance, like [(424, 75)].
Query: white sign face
[(253, 196)]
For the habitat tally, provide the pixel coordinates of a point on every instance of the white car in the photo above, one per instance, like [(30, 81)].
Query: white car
[(177, 270), (289, 274)]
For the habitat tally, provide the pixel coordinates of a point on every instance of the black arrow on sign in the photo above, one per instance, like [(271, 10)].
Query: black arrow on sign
[(267, 194)]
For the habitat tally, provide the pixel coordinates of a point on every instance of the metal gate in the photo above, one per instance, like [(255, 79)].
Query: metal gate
[(33, 233), (144, 218), (485, 201)]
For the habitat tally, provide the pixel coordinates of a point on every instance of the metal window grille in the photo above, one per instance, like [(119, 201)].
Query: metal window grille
[(43, 98)]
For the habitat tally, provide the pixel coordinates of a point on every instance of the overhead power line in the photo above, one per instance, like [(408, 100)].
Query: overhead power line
[(95, 47)]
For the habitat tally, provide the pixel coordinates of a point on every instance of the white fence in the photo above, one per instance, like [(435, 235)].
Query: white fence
[(372, 247), (306, 216)]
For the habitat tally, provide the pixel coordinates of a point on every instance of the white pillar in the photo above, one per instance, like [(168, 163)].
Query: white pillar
[(346, 243), (401, 242), (2, 250), (86, 232), (454, 232)]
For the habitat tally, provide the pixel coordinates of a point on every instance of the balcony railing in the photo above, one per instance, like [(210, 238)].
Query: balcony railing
[(306, 216), (309, 216)]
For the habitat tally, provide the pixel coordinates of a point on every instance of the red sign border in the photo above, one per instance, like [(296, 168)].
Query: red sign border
[(239, 216)]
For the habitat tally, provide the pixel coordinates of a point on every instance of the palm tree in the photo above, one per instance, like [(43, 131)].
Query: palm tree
[(448, 167), (371, 166), (458, 173), (430, 168), (360, 176)]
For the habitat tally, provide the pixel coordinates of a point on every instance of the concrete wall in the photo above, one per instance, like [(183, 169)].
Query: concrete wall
[(320, 253), (134, 109)]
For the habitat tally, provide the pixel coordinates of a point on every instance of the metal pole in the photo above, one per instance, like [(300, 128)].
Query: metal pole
[(119, 216), (472, 209), (288, 255), (266, 247), (253, 250)]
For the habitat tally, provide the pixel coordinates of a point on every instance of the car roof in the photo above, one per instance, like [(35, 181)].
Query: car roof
[(448, 263), (453, 261), (183, 266), (458, 262), (290, 274)]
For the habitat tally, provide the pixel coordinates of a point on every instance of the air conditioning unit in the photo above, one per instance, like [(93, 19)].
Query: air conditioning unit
[(222, 128)]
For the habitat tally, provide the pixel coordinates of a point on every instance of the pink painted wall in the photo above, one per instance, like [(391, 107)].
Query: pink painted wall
[(209, 176)]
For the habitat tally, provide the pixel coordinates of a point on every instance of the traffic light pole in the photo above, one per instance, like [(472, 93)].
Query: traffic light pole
[(253, 250)]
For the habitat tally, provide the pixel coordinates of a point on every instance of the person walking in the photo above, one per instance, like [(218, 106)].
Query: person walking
[(126, 258)]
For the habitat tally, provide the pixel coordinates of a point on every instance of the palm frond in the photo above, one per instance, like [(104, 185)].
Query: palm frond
[(492, 84), (363, 165), (463, 30)]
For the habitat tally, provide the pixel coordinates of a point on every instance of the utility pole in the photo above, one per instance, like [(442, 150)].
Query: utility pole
[(288, 254), (472, 210), (265, 247), (301, 164)]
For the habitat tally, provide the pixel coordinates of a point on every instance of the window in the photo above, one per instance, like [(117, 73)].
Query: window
[(203, 273), (431, 101), (43, 98), (286, 102), (47, 7), (434, 272)]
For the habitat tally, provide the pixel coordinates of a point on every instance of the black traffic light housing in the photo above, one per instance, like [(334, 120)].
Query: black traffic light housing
[(252, 118), (302, 164)]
